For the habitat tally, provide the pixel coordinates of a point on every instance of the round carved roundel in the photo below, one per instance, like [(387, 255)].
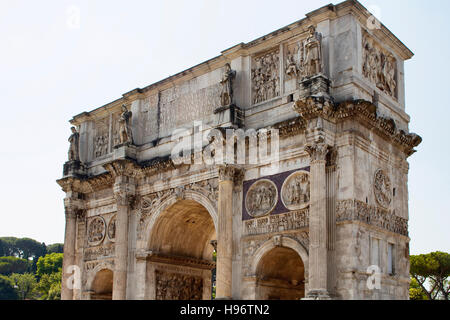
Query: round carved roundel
[(261, 198), (96, 231), (295, 192), (382, 189), (112, 229)]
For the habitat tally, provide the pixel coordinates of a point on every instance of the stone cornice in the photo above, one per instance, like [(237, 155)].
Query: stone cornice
[(86, 184), (122, 167), (364, 112)]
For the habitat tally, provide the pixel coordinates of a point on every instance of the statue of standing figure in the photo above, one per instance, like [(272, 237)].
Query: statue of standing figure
[(125, 134), (313, 52), (226, 96), (74, 139)]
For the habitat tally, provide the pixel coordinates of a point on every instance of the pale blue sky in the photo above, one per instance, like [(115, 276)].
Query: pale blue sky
[(51, 71)]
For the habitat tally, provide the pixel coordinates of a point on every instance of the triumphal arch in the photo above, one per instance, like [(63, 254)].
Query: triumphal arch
[(276, 170)]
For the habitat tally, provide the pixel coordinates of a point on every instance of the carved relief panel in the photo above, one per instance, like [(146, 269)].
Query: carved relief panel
[(174, 286), (261, 198), (265, 76), (382, 189), (101, 138), (96, 231), (112, 229), (379, 66), (295, 192)]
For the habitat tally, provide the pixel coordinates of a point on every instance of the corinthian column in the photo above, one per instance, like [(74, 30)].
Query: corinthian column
[(318, 222), (124, 194), (227, 176)]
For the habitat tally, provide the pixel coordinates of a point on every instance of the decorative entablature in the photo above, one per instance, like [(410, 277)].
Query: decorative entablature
[(355, 210), (364, 112), (84, 184), (160, 257)]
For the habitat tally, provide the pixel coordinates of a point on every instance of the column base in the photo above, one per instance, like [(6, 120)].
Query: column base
[(318, 295)]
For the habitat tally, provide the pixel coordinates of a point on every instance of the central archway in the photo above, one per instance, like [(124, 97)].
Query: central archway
[(181, 257)]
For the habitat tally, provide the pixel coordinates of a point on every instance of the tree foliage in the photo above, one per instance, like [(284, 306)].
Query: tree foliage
[(50, 286), (49, 264), (431, 272), (25, 285), (10, 265), (7, 290), (55, 248), (24, 248)]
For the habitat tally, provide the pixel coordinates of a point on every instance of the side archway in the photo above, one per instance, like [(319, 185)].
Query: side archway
[(279, 269)]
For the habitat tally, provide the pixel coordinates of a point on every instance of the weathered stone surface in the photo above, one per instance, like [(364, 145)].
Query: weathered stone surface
[(140, 225)]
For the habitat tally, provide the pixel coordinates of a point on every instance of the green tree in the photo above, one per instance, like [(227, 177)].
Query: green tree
[(431, 272), (415, 291), (55, 248), (7, 291), (49, 264), (10, 265), (50, 286), (25, 285)]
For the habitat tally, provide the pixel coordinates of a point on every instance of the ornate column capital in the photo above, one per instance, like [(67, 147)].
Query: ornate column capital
[(124, 194), (317, 151), (232, 173)]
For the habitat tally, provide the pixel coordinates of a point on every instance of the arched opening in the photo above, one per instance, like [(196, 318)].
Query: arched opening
[(102, 286), (280, 275), (182, 253)]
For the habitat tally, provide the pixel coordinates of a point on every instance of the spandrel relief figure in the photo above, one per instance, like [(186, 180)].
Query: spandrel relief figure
[(125, 133), (74, 140), (226, 96), (313, 52)]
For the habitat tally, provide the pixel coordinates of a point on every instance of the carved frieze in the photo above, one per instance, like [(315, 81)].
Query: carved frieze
[(379, 66), (96, 231), (354, 210), (382, 189), (261, 198), (174, 286), (278, 223), (295, 192), (99, 252), (265, 77)]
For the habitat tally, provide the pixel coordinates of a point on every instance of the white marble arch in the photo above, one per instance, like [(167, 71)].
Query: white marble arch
[(144, 243), (286, 242)]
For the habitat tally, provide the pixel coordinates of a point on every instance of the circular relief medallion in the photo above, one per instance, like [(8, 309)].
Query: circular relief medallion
[(112, 229), (295, 192), (96, 231), (382, 189), (261, 198)]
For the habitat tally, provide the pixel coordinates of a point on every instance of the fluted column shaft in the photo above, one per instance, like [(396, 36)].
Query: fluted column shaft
[(123, 193), (227, 176), (71, 208), (318, 221)]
